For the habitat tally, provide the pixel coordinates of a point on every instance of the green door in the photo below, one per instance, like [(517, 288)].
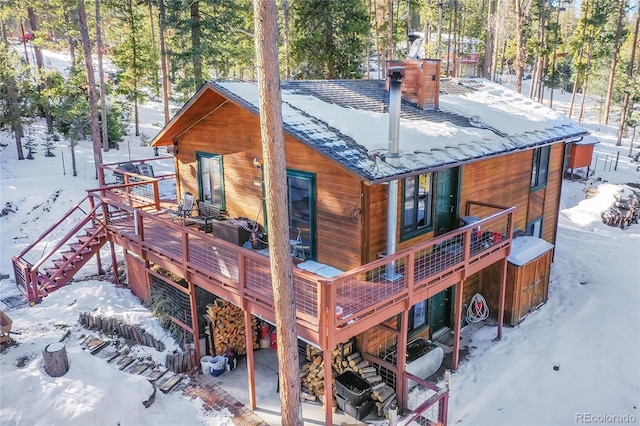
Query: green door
[(446, 201), (440, 311)]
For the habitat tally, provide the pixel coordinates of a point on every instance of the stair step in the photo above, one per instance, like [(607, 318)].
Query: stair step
[(76, 247), (92, 241), (66, 255), (60, 263), (170, 383)]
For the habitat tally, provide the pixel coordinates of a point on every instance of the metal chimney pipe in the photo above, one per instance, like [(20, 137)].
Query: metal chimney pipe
[(393, 158)]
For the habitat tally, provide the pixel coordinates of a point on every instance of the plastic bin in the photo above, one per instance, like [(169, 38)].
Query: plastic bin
[(358, 412), (353, 388), (205, 363), (218, 365)]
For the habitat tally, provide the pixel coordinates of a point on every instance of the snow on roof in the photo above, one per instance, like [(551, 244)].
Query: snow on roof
[(348, 122), (501, 108), (524, 249)]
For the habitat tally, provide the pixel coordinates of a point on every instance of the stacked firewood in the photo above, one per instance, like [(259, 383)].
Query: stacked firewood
[(344, 358), (228, 328)]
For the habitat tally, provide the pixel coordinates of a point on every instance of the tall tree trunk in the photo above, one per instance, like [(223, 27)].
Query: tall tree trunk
[(103, 91), (390, 33), (91, 82), (576, 81), (270, 102), (625, 103), (586, 75), (15, 117), (612, 74), (164, 63), (328, 46), (520, 51), (33, 22), (488, 55), (154, 49), (71, 42), (196, 35), (287, 43), (134, 66)]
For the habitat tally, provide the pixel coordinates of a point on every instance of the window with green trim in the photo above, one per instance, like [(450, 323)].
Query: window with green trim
[(540, 167), (417, 204), (210, 178)]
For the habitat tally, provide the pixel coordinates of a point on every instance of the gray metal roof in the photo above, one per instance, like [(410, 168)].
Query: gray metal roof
[(347, 120)]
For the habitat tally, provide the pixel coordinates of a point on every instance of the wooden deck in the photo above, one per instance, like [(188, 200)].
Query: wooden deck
[(367, 295)]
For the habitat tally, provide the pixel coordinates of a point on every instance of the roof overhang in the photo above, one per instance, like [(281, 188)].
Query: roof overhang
[(203, 103)]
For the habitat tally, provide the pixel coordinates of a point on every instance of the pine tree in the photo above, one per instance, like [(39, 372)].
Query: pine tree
[(329, 38), (30, 145), (50, 144)]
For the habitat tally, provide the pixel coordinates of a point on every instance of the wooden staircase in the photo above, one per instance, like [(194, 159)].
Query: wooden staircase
[(56, 268)]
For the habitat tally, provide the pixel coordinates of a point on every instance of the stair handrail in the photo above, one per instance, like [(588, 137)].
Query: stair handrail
[(51, 228), (67, 237)]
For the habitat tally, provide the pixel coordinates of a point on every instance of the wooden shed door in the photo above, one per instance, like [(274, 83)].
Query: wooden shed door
[(446, 201)]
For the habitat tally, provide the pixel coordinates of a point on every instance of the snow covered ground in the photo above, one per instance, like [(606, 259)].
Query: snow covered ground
[(589, 328)]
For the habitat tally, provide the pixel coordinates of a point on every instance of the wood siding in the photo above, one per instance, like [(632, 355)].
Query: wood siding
[(552, 193), (503, 181), (527, 287), (234, 133)]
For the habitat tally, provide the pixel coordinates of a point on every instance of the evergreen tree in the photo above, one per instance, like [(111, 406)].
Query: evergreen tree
[(329, 38), (30, 145)]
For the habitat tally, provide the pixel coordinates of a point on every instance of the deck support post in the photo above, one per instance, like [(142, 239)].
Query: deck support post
[(457, 315), (194, 321), (503, 292), (99, 263), (114, 263), (328, 386), (401, 382), (248, 336)]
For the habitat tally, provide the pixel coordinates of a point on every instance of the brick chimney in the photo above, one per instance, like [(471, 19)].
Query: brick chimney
[(421, 82)]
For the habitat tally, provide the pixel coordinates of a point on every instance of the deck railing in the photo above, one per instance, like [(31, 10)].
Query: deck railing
[(360, 293), (427, 403)]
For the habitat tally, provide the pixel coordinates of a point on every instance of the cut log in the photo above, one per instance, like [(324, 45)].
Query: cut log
[(56, 363), (384, 394), (374, 379)]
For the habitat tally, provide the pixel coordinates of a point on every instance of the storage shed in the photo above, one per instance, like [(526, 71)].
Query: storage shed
[(528, 269), (581, 153)]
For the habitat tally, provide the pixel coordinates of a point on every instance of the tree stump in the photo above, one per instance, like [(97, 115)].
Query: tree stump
[(56, 363)]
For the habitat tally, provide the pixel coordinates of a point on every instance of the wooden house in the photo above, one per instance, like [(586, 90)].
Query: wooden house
[(392, 232)]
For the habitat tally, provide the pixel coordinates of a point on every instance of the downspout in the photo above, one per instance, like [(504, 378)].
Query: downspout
[(395, 75)]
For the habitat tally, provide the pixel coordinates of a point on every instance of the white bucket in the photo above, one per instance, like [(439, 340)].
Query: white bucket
[(205, 362)]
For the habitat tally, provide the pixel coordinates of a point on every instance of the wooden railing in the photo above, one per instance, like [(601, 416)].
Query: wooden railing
[(379, 288), (427, 403), (29, 262)]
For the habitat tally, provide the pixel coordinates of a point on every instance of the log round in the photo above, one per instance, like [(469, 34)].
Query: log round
[(56, 363)]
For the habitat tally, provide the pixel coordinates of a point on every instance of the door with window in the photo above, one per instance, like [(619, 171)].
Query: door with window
[(301, 188), (210, 178), (446, 209)]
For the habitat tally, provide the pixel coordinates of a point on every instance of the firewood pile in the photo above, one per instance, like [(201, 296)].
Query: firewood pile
[(228, 328), (344, 358), (624, 212)]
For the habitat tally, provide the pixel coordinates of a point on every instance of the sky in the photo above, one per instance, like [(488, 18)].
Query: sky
[(589, 329)]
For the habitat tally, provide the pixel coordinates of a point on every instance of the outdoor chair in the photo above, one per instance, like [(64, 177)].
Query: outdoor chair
[(185, 208)]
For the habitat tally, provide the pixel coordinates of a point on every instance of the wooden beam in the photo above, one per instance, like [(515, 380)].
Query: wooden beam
[(328, 386), (401, 355), (248, 336), (457, 323), (194, 320), (503, 292)]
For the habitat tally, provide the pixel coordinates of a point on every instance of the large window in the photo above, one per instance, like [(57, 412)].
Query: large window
[(417, 205), (210, 178), (301, 194), (540, 167)]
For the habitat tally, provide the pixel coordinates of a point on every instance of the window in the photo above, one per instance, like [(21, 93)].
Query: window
[(418, 316), (534, 228), (540, 167), (301, 194), (417, 204), (210, 178)]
